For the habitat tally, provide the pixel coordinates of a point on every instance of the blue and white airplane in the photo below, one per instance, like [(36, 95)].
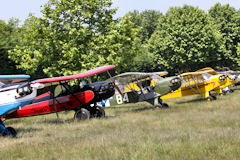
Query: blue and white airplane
[(14, 95)]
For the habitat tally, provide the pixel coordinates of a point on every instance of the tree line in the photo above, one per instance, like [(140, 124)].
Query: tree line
[(74, 35)]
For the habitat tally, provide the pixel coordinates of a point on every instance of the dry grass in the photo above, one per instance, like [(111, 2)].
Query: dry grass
[(189, 129)]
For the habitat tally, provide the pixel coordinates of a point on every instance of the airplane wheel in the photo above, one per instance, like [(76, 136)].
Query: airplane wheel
[(211, 98), (231, 91), (214, 97), (100, 112), (222, 94), (82, 114), (157, 106), (165, 105), (12, 131)]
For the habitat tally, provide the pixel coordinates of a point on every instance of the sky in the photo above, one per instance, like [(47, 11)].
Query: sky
[(21, 8)]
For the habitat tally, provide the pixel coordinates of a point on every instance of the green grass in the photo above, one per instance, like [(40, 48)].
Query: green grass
[(190, 129)]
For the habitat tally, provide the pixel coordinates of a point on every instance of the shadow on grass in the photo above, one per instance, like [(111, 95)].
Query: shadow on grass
[(142, 109), (125, 109), (191, 101), (236, 88), (32, 129), (56, 121)]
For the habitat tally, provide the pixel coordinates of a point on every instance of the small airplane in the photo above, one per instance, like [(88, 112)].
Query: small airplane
[(132, 87), (231, 79), (20, 100), (199, 82), (233, 76)]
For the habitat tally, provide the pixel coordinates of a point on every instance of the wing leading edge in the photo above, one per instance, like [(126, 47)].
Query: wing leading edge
[(13, 78), (76, 76), (128, 77)]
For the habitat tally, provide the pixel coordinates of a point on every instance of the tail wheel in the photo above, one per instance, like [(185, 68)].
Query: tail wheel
[(82, 114), (100, 112)]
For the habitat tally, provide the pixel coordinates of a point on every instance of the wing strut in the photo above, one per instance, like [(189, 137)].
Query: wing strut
[(118, 89), (54, 104), (190, 86)]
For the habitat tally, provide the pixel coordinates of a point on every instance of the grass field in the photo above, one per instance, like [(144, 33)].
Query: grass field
[(190, 129)]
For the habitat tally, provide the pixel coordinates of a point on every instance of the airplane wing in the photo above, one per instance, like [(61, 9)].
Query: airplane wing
[(13, 78), (129, 77), (124, 80), (198, 76), (199, 72), (40, 83), (207, 70), (229, 72)]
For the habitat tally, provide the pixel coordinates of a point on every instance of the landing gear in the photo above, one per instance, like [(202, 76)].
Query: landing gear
[(99, 112), (82, 114), (222, 94), (211, 98), (160, 104), (163, 105), (13, 132), (89, 112), (9, 131)]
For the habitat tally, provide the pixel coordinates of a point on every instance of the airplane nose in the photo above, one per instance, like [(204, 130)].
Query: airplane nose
[(175, 83), (222, 78)]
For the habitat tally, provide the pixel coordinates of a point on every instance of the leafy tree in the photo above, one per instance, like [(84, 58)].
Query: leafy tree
[(147, 21), (227, 20), (8, 39), (73, 36), (185, 40)]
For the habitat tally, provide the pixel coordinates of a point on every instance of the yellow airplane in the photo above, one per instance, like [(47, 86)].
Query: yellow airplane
[(199, 82), (231, 78)]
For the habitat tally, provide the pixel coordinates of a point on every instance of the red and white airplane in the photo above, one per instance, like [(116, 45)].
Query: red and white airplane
[(82, 98)]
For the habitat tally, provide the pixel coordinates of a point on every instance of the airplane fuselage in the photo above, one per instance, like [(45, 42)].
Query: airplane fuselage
[(11, 100)]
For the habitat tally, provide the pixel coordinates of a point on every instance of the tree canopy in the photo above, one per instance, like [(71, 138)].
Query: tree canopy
[(73, 36), (227, 21), (184, 40), (76, 35), (9, 33)]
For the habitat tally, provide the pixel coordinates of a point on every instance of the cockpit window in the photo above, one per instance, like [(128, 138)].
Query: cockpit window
[(1, 84), (206, 76)]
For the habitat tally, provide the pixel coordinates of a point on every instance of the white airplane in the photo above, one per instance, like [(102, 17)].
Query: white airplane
[(15, 96)]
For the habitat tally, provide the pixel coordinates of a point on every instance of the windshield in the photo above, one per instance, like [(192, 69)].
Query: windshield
[(1, 84), (206, 76)]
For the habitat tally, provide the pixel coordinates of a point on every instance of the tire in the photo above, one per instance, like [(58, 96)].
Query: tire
[(214, 97), (157, 106), (211, 98), (12, 131), (231, 91), (223, 93), (82, 114), (100, 112), (165, 105)]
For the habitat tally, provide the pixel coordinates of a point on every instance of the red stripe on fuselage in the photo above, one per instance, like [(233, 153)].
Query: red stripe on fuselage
[(200, 86), (63, 103)]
